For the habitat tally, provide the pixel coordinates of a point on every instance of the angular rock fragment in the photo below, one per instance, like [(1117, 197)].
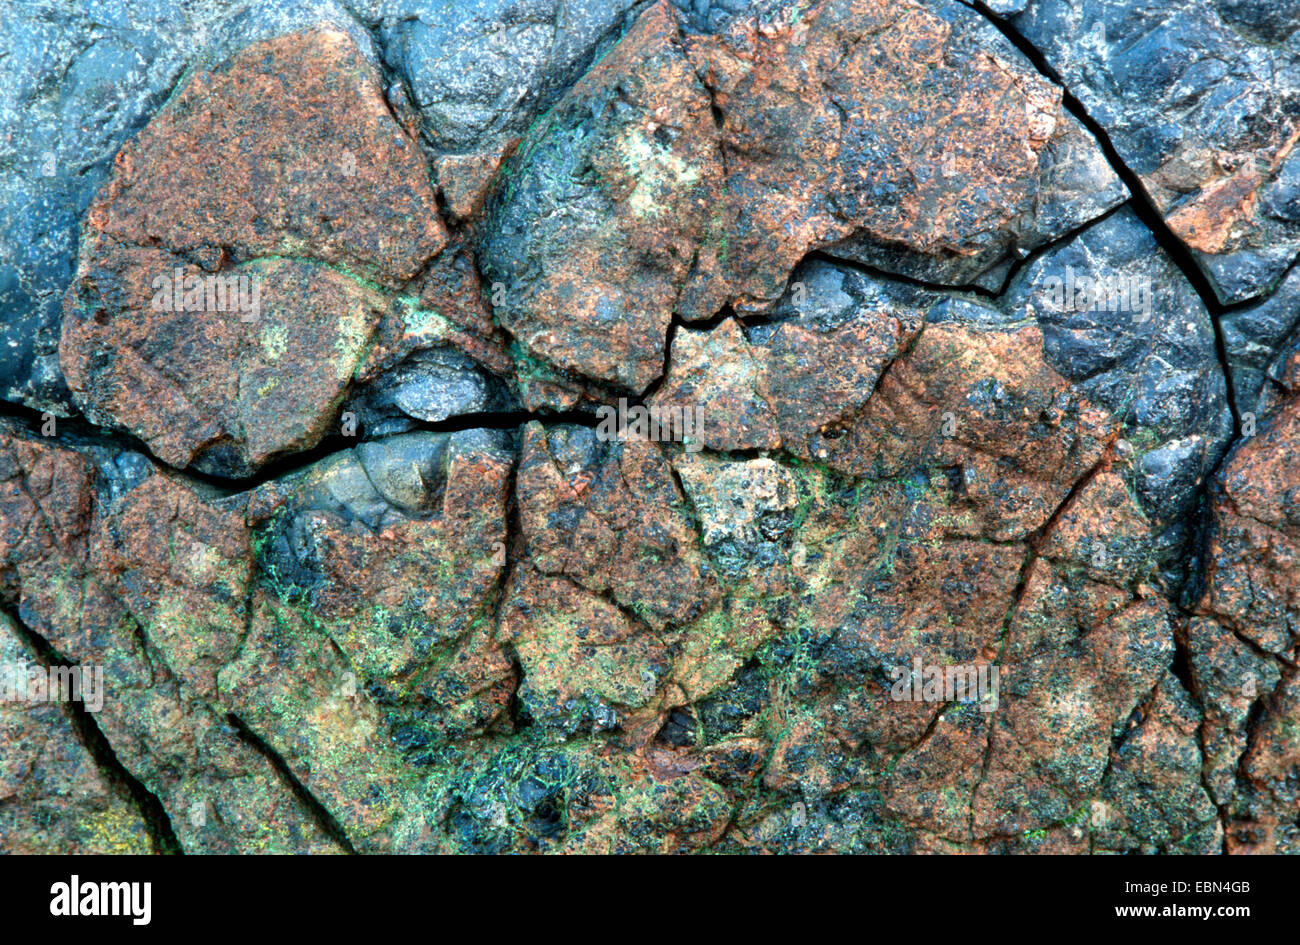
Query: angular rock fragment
[(719, 371), (1229, 677), (585, 662), (319, 163), (292, 687), (1253, 335), (1264, 817), (593, 230), (1249, 581), (221, 307), (1153, 800), (1050, 742), (610, 517), (611, 567), (221, 390)]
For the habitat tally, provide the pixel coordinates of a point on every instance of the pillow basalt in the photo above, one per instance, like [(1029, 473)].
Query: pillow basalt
[(985, 540)]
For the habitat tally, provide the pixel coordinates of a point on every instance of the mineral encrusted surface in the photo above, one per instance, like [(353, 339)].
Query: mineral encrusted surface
[(744, 426)]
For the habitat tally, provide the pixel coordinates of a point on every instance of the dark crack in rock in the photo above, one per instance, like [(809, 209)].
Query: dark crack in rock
[(1201, 101), (382, 518), (686, 172)]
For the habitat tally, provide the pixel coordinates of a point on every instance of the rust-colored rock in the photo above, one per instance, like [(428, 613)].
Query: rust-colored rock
[(223, 304), (1243, 651), (860, 125), (286, 149), (680, 178), (597, 218), (608, 515), (988, 562)]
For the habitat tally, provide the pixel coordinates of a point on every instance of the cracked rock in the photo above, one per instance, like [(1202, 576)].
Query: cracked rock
[(57, 799), (1200, 101), (199, 320), (870, 164), (344, 443)]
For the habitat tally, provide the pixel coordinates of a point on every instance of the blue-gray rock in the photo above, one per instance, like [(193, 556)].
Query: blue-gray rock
[(1253, 335), (480, 71), (1201, 101), (429, 386), (1142, 345)]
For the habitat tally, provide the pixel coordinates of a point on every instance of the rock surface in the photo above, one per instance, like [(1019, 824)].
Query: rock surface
[(685, 173), (324, 198), (715, 425), (1201, 101), (57, 799)]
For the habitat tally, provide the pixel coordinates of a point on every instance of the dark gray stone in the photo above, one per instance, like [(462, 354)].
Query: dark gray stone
[(429, 386), (479, 71), (1154, 362), (386, 480), (1191, 92), (1253, 336)]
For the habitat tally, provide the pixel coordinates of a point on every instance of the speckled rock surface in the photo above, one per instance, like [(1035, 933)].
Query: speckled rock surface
[(695, 426), (1201, 101), (707, 182), (57, 798)]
